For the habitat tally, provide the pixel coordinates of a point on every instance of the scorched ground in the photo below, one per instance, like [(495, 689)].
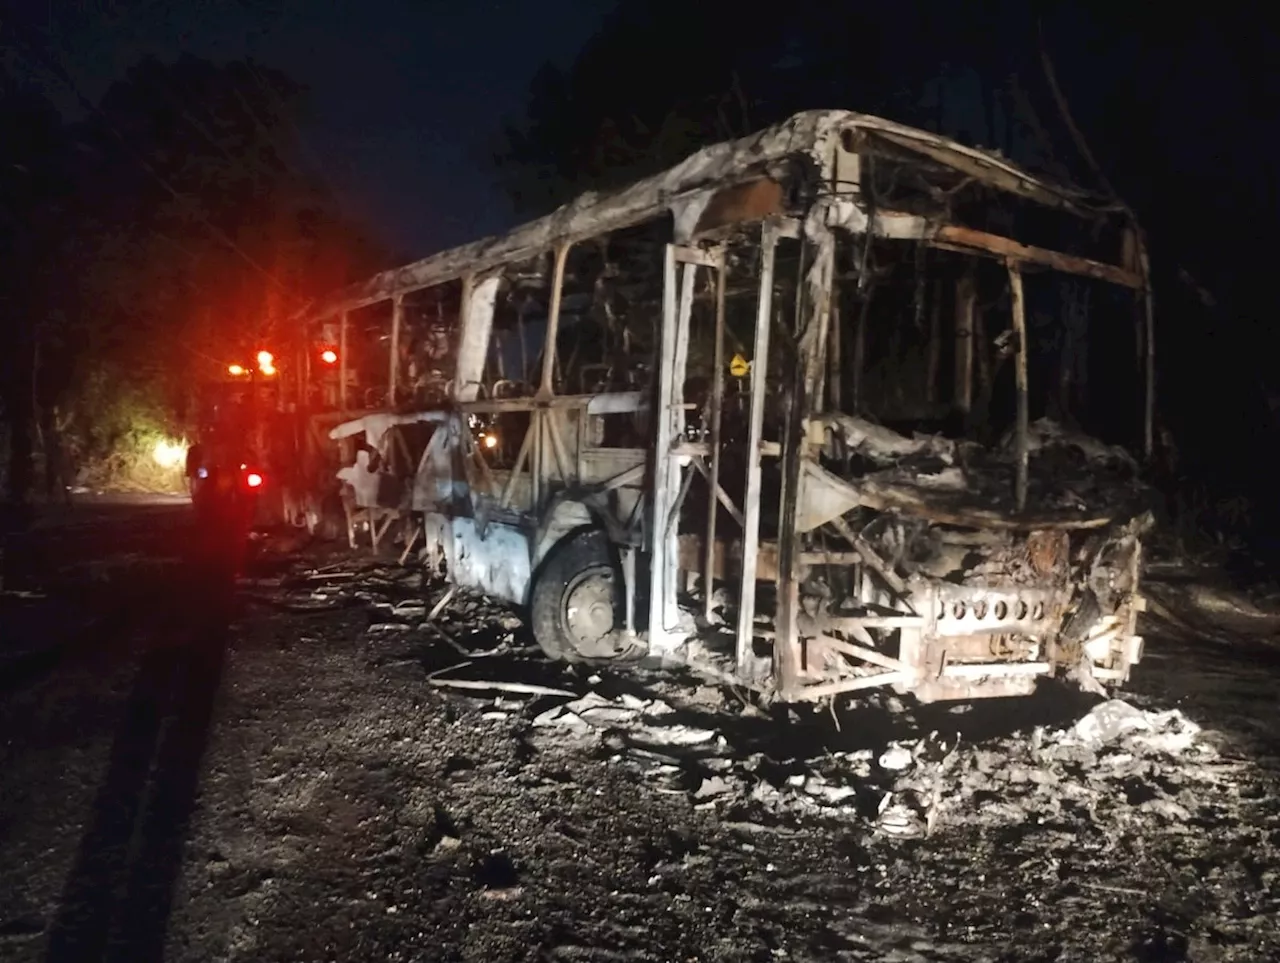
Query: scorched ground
[(287, 770)]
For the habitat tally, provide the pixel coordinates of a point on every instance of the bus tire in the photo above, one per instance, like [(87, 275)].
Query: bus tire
[(577, 598)]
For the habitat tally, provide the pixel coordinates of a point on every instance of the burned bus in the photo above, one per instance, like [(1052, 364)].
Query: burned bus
[(838, 406)]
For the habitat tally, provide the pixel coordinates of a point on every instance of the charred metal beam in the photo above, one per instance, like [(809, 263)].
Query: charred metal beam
[(864, 653), (881, 497), (1020, 378), (1149, 406), (809, 693), (717, 397), (553, 319), (813, 316), (666, 482), (718, 490), (810, 134), (397, 319), (870, 557), (755, 432), (966, 298), (983, 167), (968, 240)]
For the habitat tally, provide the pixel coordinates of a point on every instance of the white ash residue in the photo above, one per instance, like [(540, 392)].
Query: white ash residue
[(1117, 765)]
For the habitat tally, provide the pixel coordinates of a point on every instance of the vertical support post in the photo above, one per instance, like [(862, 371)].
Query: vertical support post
[(553, 319), (1020, 377), (464, 326), (524, 344), (679, 369), (677, 303), (755, 435), (538, 453), (717, 402), (835, 358), (580, 443), (628, 559), (797, 449), (537, 460), (966, 298), (397, 314), (663, 466), (1149, 405), (342, 362)]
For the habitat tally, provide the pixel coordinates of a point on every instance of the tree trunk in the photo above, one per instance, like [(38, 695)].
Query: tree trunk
[(21, 450), (19, 410)]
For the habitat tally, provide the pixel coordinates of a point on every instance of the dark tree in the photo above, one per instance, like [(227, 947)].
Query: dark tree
[(663, 78), (171, 229), (35, 194)]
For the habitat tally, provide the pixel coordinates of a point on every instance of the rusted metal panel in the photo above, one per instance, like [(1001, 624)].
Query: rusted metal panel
[(742, 202)]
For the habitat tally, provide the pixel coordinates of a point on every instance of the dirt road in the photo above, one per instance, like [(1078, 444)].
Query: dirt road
[(199, 767)]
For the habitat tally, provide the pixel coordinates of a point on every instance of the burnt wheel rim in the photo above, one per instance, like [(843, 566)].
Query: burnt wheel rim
[(589, 607)]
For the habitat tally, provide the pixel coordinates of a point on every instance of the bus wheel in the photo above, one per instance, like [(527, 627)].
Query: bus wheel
[(577, 599)]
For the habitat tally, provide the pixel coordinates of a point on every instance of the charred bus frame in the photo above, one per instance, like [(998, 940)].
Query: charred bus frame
[(601, 525)]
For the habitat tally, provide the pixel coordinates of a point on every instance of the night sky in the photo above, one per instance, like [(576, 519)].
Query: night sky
[(406, 96)]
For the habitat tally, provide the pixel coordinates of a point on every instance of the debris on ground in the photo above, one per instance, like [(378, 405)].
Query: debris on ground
[(1118, 762)]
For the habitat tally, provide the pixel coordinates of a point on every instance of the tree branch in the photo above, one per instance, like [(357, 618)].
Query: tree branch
[(1065, 111)]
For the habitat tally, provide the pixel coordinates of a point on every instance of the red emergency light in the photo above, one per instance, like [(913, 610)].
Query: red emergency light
[(253, 480), (329, 356)]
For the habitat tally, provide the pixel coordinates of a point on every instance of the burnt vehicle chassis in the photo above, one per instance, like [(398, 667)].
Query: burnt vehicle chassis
[(802, 529)]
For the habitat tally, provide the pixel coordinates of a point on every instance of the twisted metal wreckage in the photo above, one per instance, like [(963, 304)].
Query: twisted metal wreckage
[(553, 417)]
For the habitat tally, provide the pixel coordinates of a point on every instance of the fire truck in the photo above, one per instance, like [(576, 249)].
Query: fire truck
[(230, 466)]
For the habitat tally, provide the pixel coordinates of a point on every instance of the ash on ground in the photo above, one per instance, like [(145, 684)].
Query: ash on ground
[(1121, 766)]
